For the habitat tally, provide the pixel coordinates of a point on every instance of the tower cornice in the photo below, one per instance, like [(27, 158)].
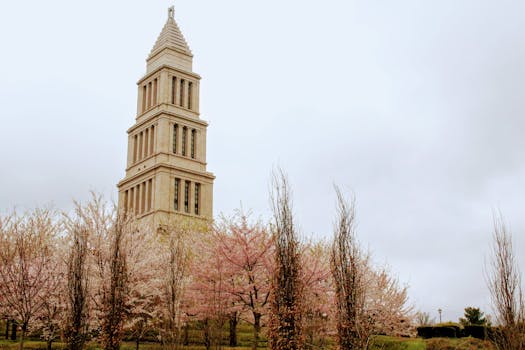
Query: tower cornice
[(149, 119), (169, 67)]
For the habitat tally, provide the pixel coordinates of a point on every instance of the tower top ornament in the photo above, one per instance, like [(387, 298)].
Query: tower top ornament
[(171, 12)]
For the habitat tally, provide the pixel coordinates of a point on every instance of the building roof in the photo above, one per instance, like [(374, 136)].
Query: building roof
[(171, 37)]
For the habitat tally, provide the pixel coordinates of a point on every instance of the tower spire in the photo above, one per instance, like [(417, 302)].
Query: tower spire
[(171, 37)]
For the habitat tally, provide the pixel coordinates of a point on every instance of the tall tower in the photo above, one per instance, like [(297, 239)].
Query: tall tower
[(166, 177)]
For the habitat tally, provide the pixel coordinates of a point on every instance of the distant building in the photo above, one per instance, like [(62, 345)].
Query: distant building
[(166, 177)]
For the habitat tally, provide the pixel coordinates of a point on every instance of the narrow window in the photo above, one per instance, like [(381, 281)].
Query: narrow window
[(150, 190), (146, 143), (175, 131), (143, 198), (152, 140), (187, 196), (190, 94), (135, 145), (140, 146), (177, 194), (181, 91), (144, 94), (193, 143), (197, 195), (173, 90), (184, 137), (125, 204), (131, 198), (137, 199), (155, 83), (149, 95)]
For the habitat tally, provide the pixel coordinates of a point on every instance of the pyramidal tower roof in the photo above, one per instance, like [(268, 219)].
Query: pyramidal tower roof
[(171, 37)]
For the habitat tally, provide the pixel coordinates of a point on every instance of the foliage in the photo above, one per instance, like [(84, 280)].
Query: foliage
[(473, 317)]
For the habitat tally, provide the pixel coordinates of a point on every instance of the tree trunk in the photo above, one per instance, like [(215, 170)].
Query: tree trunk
[(233, 329), (49, 344), (256, 329), (186, 335), (6, 328), (22, 336), (207, 335), (13, 329), (137, 342)]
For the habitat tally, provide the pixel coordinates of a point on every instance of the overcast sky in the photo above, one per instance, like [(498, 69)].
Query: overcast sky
[(416, 107)]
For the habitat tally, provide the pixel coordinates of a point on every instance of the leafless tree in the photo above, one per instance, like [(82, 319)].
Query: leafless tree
[(423, 319), (285, 328), (354, 325), (504, 282)]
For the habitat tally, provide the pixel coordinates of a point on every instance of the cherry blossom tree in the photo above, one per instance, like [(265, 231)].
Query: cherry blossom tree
[(387, 303), (27, 245), (318, 294), (211, 281), (248, 251), (50, 319), (174, 259), (144, 281)]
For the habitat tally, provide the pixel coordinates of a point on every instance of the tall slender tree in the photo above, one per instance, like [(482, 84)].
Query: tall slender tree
[(286, 322), (115, 296), (504, 282), (354, 326), (76, 329)]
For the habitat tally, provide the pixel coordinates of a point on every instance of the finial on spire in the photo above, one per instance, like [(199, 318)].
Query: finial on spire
[(171, 12)]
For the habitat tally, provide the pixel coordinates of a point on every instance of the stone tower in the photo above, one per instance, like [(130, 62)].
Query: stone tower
[(166, 177)]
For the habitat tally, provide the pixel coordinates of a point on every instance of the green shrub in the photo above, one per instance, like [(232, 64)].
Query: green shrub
[(439, 331), (425, 332), (479, 332)]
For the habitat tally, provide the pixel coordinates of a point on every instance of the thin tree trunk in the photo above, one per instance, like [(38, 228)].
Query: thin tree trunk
[(256, 329), (186, 335), (6, 328), (49, 344), (137, 342), (22, 336), (207, 335), (233, 329), (13, 329)]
